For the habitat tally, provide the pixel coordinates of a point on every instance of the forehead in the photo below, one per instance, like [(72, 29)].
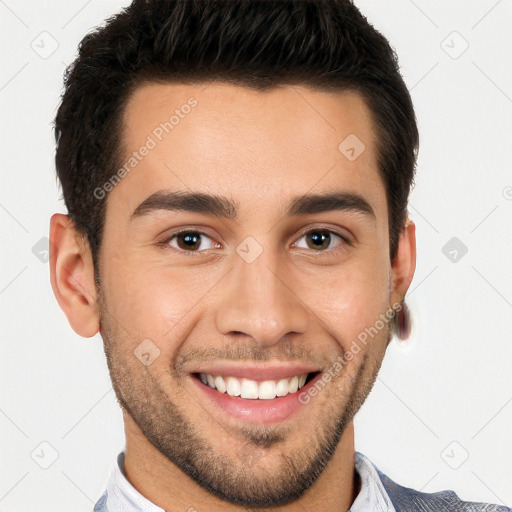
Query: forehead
[(257, 146)]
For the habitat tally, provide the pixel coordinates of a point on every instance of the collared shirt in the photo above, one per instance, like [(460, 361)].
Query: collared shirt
[(378, 493), (121, 496)]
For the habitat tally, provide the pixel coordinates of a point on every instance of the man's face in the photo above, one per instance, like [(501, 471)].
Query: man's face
[(261, 288)]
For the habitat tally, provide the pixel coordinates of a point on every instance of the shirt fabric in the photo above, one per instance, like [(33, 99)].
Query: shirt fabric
[(378, 493)]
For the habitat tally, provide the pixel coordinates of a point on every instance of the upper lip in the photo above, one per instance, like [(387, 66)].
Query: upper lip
[(256, 372)]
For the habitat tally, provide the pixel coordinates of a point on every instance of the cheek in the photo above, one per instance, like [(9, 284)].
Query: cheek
[(151, 301), (351, 300)]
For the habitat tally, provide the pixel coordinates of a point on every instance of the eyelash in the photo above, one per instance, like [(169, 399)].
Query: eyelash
[(345, 241)]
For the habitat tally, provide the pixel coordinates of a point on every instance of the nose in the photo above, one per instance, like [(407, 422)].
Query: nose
[(258, 300)]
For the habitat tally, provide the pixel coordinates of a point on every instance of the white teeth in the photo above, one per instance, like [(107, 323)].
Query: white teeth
[(282, 387), (294, 384), (211, 381), (267, 389), (233, 386), (220, 384), (250, 389)]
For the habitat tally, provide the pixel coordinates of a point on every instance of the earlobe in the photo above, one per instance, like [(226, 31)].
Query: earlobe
[(404, 265), (72, 276)]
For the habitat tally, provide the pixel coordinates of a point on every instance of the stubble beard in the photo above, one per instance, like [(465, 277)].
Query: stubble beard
[(238, 479)]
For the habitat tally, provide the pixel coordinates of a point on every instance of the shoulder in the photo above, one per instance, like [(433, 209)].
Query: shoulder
[(405, 499)]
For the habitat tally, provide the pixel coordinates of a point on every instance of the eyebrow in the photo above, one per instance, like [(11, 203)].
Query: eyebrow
[(220, 206)]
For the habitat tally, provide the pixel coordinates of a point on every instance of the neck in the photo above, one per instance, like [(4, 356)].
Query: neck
[(164, 484)]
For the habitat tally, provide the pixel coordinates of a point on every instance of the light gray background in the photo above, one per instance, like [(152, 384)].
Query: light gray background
[(440, 414)]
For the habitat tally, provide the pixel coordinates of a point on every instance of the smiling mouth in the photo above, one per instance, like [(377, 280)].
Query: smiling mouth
[(250, 389)]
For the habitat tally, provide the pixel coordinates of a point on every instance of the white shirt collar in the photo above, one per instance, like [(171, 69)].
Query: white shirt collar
[(123, 497), (372, 497)]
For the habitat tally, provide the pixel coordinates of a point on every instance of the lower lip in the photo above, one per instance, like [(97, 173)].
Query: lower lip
[(256, 410)]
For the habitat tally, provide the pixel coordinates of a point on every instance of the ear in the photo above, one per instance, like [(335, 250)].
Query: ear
[(72, 276), (404, 264)]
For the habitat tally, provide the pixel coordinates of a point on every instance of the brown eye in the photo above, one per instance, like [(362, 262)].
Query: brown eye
[(191, 241), (321, 240), (318, 240)]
